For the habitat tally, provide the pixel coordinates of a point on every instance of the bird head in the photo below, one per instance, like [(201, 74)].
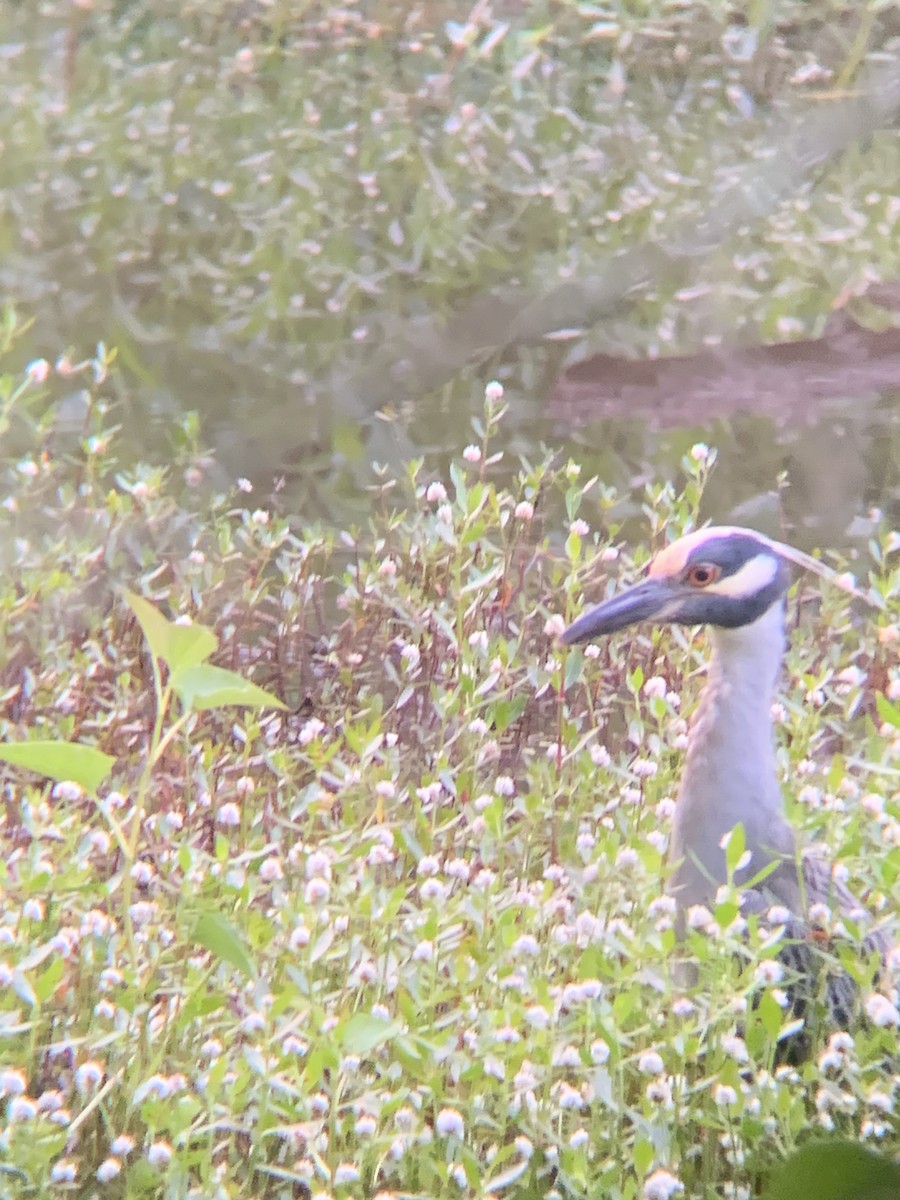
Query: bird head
[(722, 576)]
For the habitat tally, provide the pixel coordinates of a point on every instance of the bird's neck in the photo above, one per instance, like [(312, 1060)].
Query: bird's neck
[(730, 773)]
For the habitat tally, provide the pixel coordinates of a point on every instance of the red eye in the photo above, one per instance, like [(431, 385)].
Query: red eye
[(701, 575)]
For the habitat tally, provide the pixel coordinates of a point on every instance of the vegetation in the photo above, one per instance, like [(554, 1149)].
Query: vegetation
[(323, 870), (406, 935), (273, 210)]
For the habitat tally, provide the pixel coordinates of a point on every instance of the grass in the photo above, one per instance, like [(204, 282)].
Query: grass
[(407, 935)]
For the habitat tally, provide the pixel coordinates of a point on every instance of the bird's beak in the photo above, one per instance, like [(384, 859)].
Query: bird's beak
[(654, 598)]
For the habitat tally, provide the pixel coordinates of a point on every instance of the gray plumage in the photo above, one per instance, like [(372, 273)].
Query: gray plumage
[(735, 581)]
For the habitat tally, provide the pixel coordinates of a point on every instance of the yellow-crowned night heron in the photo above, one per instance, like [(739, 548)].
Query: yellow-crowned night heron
[(735, 581)]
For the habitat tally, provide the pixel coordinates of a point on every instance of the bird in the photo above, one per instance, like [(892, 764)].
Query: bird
[(735, 581)]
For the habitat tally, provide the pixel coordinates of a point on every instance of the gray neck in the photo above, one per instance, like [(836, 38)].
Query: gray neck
[(730, 774)]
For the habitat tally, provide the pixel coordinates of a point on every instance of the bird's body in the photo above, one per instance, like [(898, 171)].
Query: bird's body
[(730, 772), (735, 581)]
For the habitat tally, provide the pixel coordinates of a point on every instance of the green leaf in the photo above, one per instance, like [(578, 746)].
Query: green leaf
[(66, 762), (734, 848), (888, 712), (189, 645), (152, 622), (220, 937), (204, 686), (770, 1014), (835, 1171), (48, 981), (363, 1033), (179, 646), (643, 1155), (574, 663)]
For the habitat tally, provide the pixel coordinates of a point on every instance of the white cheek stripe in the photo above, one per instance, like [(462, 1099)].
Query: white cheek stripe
[(753, 577)]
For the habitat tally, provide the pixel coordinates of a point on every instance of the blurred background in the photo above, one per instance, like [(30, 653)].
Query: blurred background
[(324, 228)]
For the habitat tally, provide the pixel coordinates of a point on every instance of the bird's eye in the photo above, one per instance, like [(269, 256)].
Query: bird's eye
[(701, 575)]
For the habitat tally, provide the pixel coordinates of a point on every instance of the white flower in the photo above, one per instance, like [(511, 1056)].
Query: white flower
[(537, 1016), (433, 889), (778, 915), (317, 891), (493, 390), (567, 1056), (662, 1185), (654, 686), (493, 1066), (506, 1033), (436, 493), (881, 1011), (524, 511), (311, 730), (37, 370), (12, 1083), (554, 625), (644, 768), (108, 1169), (699, 917), (659, 1091), (570, 1097), (600, 756), (724, 1095), (627, 857), (599, 1051), (650, 1063), (21, 1108), (89, 1076), (271, 870), (472, 454), (769, 971), (64, 1171), (33, 909), (449, 1123), (527, 944), (159, 1153), (580, 527), (736, 1048), (700, 452), (318, 865)]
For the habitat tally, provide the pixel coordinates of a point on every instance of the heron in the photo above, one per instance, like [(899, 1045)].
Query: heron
[(735, 582)]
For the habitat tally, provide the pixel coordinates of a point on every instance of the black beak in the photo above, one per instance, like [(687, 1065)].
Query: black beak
[(652, 598)]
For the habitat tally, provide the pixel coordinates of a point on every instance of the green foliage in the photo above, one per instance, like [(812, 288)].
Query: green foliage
[(835, 1171), (84, 765), (407, 933), (318, 186)]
